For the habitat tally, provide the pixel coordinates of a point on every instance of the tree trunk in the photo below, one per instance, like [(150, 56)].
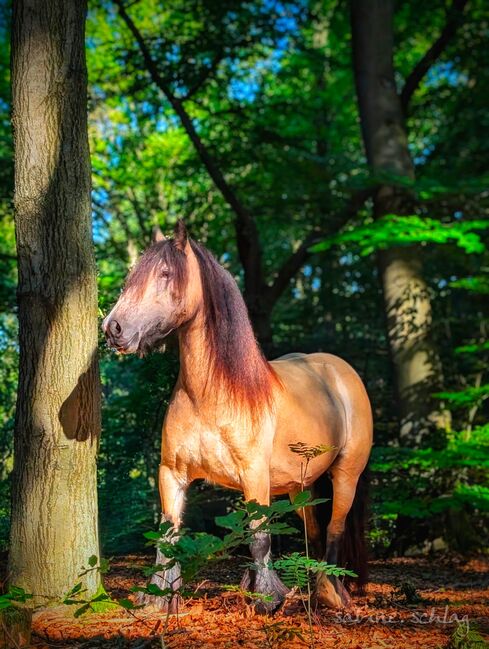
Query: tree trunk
[(54, 489), (406, 297)]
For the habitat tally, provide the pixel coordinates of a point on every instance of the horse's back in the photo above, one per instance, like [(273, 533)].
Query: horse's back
[(323, 402)]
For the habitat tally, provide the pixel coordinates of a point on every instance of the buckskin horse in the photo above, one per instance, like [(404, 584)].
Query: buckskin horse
[(233, 416)]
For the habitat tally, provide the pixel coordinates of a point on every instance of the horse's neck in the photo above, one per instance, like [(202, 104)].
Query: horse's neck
[(194, 361)]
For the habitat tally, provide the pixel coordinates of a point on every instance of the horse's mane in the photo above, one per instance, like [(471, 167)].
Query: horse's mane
[(235, 359)]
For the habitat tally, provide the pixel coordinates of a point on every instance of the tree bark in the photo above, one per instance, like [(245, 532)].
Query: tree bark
[(414, 355), (54, 489)]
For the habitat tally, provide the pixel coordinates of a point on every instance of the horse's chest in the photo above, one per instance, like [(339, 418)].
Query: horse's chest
[(215, 459)]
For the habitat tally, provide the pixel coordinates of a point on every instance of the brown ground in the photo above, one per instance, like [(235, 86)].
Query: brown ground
[(451, 589)]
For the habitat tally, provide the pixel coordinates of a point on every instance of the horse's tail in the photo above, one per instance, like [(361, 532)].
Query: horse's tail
[(353, 553)]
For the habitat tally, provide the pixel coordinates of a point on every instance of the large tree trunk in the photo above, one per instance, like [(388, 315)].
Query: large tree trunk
[(54, 489), (406, 296)]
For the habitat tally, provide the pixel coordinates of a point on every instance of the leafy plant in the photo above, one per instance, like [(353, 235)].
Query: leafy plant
[(278, 633), (308, 453), (465, 638), (193, 551), (97, 603), (13, 597), (296, 569)]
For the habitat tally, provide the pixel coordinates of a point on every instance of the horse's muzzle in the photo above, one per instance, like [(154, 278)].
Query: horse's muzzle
[(116, 339)]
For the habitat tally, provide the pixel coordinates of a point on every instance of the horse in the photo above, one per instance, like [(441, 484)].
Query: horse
[(234, 417)]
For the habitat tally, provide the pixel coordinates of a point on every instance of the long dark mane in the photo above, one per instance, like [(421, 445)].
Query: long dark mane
[(235, 359)]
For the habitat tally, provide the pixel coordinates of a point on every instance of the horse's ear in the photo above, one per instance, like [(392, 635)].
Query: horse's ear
[(157, 235), (180, 235)]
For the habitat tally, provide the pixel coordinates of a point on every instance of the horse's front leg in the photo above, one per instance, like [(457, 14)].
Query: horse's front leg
[(172, 494), (261, 578)]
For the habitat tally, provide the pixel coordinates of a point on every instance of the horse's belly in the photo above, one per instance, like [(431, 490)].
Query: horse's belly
[(290, 468), (309, 417)]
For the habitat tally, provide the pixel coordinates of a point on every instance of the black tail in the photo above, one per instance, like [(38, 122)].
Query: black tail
[(353, 549)]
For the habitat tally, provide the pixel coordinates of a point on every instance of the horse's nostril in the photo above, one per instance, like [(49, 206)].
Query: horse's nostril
[(115, 328)]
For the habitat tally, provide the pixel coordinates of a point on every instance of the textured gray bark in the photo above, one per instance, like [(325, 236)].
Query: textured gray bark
[(406, 297), (54, 490)]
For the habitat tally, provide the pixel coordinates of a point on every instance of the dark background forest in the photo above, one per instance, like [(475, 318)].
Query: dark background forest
[(243, 119)]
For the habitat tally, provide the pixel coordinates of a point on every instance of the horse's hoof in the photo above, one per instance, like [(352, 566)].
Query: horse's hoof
[(268, 590), (331, 594)]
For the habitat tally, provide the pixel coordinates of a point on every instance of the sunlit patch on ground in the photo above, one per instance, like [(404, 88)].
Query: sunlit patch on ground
[(409, 603)]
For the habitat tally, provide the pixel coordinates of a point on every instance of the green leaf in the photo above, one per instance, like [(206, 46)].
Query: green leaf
[(231, 521), (303, 498), (82, 610), (128, 605)]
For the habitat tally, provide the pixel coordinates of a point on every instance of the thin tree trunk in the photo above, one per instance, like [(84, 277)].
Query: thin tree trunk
[(406, 297), (54, 490)]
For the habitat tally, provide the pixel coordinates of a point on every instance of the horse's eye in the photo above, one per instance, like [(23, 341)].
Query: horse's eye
[(165, 274)]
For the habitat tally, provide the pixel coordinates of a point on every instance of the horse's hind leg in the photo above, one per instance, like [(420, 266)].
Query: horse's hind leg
[(329, 589)]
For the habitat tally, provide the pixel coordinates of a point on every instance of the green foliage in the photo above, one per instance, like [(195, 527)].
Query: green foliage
[(466, 638), (248, 594), (436, 486), (296, 569), (466, 397), (474, 348), (193, 551), (100, 601), (476, 284), (13, 597), (135, 395), (263, 518), (391, 230)]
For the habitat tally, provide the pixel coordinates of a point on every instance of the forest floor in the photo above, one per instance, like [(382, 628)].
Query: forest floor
[(409, 603)]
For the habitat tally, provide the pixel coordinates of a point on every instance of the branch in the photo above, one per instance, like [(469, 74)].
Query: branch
[(453, 20), (6, 257), (205, 74), (246, 231), (290, 267), (119, 248), (294, 263), (139, 215)]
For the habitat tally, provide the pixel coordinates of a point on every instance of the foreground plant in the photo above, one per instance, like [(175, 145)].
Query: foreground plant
[(15, 618)]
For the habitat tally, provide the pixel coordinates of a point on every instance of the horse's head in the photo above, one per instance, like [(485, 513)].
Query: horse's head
[(162, 292)]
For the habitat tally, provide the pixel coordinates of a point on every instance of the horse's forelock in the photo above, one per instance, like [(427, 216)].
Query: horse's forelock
[(159, 254)]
